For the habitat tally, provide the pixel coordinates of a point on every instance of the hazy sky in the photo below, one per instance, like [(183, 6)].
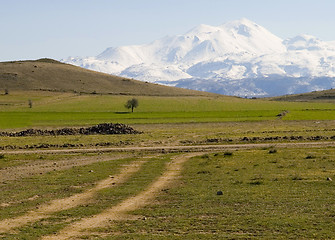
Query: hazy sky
[(32, 29)]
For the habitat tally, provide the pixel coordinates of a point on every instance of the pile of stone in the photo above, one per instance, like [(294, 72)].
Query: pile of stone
[(104, 128)]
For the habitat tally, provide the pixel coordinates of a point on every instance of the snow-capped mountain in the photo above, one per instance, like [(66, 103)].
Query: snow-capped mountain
[(237, 58)]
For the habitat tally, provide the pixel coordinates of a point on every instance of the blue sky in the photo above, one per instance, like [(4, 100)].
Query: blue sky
[(32, 29)]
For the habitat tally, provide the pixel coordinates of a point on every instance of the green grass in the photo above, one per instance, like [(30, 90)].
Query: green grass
[(311, 114), (265, 196), (53, 119), (283, 194), (56, 110)]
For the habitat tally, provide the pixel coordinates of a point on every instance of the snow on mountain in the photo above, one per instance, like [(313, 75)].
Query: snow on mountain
[(237, 58)]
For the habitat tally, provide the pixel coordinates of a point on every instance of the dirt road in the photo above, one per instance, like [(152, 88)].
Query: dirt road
[(179, 148), (69, 202), (119, 212), (40, 167)]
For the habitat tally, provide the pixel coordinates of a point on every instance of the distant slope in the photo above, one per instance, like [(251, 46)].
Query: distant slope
[(326, 95), (51, 75)]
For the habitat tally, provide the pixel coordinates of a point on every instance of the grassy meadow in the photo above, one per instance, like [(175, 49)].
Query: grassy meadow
[(281, 195), (66, 109), (267, 193)]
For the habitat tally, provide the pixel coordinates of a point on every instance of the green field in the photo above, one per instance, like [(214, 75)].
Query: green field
[(273, 192), (77, 110)]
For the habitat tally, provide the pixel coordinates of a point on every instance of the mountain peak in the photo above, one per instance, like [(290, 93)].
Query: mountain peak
[(242, 21), (241, 26), (210, 57), (202, 29)]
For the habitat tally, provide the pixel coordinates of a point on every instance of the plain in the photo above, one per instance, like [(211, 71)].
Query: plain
[(276, 192)]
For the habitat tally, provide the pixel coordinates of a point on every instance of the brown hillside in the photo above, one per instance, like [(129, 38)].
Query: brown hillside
[(326, 95), (51, 75)]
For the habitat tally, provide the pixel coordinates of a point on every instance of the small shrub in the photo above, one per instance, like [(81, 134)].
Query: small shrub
[(203, 172), (272, 150), (227, 154), (309, 156), (256, 182), (2, 156), (296, 177)]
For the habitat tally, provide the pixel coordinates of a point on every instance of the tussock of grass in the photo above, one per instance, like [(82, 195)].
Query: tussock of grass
[(310, 156), (228, 153)]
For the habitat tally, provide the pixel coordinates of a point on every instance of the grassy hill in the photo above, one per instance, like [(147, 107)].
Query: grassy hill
[(326, 95), (51, 75)]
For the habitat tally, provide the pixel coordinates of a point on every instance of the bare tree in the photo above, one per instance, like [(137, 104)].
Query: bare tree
[(131, 103)]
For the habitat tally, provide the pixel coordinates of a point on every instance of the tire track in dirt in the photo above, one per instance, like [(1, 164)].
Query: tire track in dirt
[(69, 202), (176, 148), (120, 211)]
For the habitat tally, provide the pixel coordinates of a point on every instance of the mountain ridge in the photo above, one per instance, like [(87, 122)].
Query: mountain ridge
[(237, 55)]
